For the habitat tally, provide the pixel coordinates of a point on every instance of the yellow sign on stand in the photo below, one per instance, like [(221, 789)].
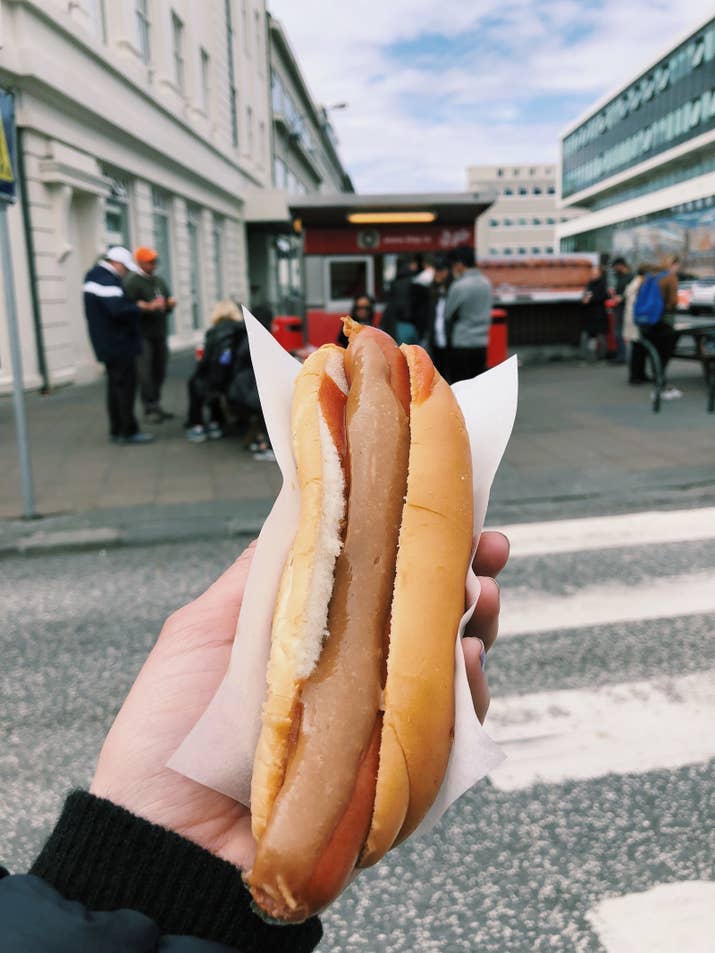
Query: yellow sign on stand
[(8, 182), (6, 173)]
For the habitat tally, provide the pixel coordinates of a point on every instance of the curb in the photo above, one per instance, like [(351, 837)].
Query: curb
[(49, 542)]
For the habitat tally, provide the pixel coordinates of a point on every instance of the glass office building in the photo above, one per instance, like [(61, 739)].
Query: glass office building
[(641, 163)]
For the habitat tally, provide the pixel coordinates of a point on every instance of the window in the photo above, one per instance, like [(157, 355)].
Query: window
[(205, 82), (291, 113), (523, 190), (262, 141), (536, 190), (161, 237), (516, 172), (500, 173), (522, 251), (507, 250), (549, 250), (244, 25), (279, 173), (550, 221), (532, 171), (116, 210), (535, 250), (99, 23), (217, 234), (249, 127), (141, 11), (233, 99), (259, 35), (564, 218), (177, 44), (551, 190), (193, 219), (493, 251), (494, 222), (536, 221), (523, 221), (508, 191), (507, 222), (347, 278), (276, 92)]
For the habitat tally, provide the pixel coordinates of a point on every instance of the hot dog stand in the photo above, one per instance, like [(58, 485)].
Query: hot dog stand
[(351, 245)]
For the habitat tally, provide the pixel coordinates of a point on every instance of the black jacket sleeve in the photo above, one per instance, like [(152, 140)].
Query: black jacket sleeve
[(121, 307), (107, 881)]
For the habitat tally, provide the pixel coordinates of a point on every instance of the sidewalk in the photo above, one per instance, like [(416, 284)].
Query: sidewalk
[(584, 442)]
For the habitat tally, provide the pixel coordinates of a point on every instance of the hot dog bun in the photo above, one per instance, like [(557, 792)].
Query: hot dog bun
[(301, 612), (428, 602), (358, 722)]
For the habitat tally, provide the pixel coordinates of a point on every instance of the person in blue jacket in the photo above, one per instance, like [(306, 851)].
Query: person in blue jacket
[(115, 333), (149, 860)]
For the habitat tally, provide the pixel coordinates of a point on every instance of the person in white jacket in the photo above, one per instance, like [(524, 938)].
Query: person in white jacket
[(631, 334)]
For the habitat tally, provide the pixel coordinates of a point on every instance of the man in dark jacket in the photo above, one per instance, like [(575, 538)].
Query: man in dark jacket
[(144, 284), (622, 278), (400, 317), (113, 323)]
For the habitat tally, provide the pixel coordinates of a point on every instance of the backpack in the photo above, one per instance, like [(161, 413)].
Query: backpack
[(221, 346), (649, 306)]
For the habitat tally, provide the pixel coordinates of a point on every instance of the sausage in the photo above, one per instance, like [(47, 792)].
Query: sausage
[(322, 813)]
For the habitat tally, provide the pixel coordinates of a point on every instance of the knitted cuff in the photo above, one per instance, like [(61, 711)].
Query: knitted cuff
[(109, 859)]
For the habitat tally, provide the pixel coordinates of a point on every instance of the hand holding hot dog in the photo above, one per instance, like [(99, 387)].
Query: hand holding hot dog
[(175, 685)]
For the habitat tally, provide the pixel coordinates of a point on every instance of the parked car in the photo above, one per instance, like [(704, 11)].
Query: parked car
[(702, 295)]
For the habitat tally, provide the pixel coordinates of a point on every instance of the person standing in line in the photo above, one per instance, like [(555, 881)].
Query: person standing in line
[(660, 332), (595, 320), (631, 334), (623, 277), (145, 284), (362, 311), (398, 319), (467, 316), (438, 331), (113, 323)]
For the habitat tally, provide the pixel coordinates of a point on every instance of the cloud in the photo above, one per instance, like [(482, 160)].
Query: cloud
[(433, 88)]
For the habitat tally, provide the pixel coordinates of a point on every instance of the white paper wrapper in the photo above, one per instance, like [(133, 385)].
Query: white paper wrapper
[(218, 752)]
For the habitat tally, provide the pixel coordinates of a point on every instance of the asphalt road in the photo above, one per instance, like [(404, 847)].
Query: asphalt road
[(519, 864)]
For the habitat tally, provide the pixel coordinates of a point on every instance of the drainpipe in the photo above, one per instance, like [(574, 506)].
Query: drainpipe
[(30, 251)]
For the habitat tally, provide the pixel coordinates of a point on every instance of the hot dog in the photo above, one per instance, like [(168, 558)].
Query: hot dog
[(358, 718)]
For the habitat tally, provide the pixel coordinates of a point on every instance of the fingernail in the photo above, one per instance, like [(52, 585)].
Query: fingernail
[(483, 657)]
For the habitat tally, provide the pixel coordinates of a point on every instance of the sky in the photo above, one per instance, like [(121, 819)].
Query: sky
[(433, 87)]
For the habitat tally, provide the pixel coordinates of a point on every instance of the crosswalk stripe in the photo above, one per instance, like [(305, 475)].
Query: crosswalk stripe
[(525, 611), (606, 532), (669, 917), (625, 728)]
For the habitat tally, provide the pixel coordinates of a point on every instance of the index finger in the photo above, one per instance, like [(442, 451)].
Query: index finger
[(492, 554)]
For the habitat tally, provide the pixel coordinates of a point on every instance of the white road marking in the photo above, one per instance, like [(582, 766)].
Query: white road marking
[(667, 918), (524, 611), (625, 728), (606, 532)]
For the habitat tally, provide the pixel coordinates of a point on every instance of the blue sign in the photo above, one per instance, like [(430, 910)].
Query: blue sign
[(7, 147)]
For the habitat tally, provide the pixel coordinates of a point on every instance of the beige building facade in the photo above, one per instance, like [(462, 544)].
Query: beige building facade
[(523, 219), (304, 161), (140, 122)]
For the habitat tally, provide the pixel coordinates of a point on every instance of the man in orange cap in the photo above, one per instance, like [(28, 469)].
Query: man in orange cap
[(146, 285)]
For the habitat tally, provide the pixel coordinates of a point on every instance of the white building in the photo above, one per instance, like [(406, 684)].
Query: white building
[(141, 122), (305, 160), (524, 217), (641, 162)]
